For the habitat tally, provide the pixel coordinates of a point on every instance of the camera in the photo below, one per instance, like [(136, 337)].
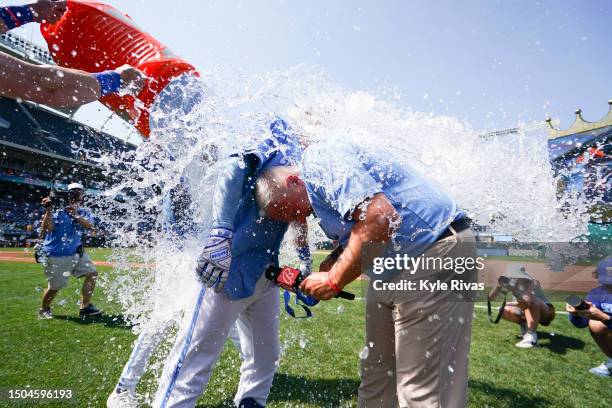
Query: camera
[(506, 282), (576, 302), (56, 200)]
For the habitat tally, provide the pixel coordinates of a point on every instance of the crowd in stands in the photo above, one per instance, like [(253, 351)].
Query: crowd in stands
[(46, 131), (21, 213)]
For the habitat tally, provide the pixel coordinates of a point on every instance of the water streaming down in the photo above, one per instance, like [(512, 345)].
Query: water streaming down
[(502, 182)]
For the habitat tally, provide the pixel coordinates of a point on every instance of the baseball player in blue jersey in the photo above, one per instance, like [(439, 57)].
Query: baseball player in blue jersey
[(173, 106), (241, 243), (177, 226), (596, 314)]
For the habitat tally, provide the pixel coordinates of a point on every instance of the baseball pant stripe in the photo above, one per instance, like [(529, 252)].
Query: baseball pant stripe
[(179, 363)]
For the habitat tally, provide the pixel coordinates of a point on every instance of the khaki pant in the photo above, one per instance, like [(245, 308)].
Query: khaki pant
[(418, 347), (59, 268)]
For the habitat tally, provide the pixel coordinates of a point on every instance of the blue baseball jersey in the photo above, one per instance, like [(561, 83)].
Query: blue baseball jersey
[(257, 239), (339, 177), (601, 298), (66, 235)]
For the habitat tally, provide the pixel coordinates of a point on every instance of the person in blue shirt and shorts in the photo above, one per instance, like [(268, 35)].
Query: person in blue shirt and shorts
[(62, 253), (597, 316)]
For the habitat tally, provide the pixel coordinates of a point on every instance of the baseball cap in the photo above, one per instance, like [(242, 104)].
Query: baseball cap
[(75, 186), (604, 271)]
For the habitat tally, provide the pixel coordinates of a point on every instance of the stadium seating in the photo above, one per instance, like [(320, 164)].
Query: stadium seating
[(42, 150), (53, 133)]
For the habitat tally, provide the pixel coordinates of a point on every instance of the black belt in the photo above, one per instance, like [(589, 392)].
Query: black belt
[(458, 226)]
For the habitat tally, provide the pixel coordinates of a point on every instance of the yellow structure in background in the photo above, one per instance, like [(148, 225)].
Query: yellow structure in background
[(580, 125)]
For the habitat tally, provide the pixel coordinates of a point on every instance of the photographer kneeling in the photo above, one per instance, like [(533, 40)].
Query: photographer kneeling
[(531, 307), (596, 314), (62, 251)]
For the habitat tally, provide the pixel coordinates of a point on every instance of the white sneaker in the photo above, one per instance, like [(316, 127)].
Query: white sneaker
[(530, 340), (45, 314), (123, 399), (603, 370)]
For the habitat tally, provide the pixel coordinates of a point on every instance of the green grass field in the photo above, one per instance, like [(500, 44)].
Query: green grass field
[(319, 365)]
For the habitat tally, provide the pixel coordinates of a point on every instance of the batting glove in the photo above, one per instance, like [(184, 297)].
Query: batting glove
[(214, 262)]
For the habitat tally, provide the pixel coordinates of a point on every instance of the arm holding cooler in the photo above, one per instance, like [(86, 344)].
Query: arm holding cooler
[(92, 36)]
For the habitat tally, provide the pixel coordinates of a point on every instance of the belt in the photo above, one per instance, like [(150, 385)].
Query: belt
[(458, 226)]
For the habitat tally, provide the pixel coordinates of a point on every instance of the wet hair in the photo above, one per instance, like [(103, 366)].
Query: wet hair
[(271, 184)]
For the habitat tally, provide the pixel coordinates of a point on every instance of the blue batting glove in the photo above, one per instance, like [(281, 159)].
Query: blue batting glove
[(214, 262)]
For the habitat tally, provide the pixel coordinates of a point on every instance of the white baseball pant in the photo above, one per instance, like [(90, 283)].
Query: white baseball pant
[(201, 338), (145, 346)]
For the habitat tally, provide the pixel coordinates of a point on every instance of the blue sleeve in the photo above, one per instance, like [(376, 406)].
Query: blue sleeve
[(594, 296), (340, 177), (579, 322), (600, 298), (168, 218), (228, 190), (88, 216)]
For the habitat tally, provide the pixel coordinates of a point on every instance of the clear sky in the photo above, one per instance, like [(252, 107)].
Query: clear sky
[(492, 63)]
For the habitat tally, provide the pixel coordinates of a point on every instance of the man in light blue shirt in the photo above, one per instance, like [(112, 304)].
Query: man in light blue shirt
[(240, 245), (375, 207), (62, 253)]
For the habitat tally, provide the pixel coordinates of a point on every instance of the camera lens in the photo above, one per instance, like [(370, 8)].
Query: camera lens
[(574, 300)]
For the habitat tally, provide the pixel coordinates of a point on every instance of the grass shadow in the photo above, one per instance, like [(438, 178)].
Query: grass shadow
[(111, 321), (559, 344), (298, 391), (519, 399), (324, 392)]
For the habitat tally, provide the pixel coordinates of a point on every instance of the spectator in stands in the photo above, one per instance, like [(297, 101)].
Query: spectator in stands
[(531, 307), (596, 314), (62, 251), (52, 85)]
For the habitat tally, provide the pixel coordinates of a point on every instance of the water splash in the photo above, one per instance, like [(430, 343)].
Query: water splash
[(505, 182)]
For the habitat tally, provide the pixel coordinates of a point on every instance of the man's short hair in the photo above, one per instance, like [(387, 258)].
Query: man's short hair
[(270, 184)]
